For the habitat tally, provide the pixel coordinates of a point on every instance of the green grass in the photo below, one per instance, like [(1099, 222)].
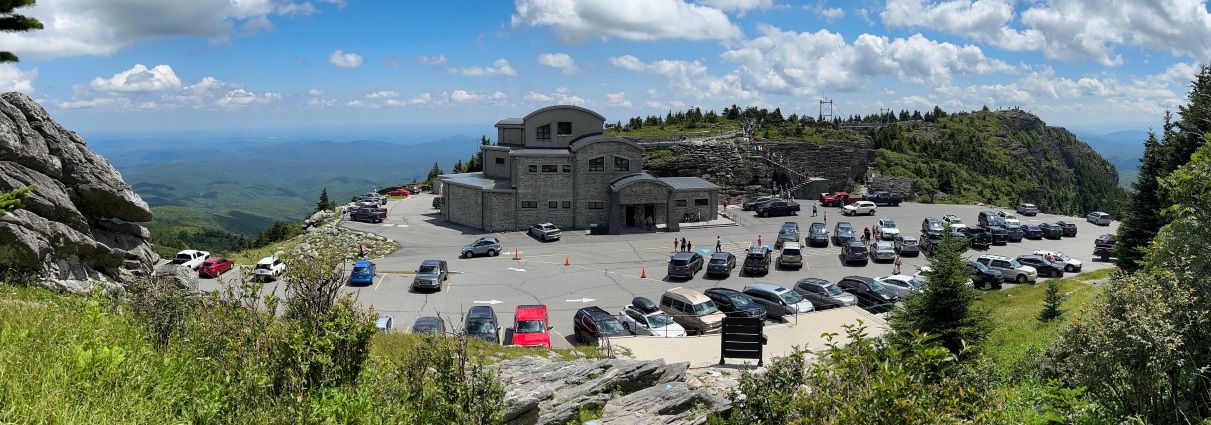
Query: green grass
[(1018, 333)]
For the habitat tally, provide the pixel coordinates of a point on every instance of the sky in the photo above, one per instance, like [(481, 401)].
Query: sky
[(250, 65)]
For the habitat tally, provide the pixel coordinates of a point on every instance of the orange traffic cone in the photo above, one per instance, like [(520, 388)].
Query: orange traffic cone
[(566, 262), (515, 257), (644, 273)]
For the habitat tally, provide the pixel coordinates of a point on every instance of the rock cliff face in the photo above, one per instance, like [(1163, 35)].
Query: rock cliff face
[(75, 231)]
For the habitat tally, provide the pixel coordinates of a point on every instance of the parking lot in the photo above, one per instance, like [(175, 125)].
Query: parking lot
[(607, 270)]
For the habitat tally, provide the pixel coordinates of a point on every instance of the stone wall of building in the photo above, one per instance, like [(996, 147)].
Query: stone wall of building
[(543, 188), (686, 202), (500, 212), (594, 186), (463, 205)]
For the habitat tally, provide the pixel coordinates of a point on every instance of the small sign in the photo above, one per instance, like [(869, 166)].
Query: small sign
[(742, 338)]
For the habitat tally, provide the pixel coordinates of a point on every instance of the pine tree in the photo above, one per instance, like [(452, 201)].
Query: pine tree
[(324, 204), (436, 171), (1052, 302), (943, 306), (12, 22), (1142, 219)]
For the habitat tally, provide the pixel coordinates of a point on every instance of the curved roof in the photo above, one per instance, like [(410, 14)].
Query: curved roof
[(564, 107), (510, 122), (631, 179), (581, 142)]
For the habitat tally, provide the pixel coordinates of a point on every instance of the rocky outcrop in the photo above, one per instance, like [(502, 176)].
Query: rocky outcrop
[(76, 229), (542, 391)]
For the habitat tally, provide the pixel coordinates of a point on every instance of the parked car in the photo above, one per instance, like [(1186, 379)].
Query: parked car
[(644, 318), (989, 218), (883, 198), (1051, 230), (843, 232), (269, 268), (399, 192), (824, 294), (429, 325), (431, 275), (1068, 227), (545, 231), (1103, 247), (734, 303), (978, 237), (901, 284), (483, 246), (779, 301), (1010, 269), (694, 311), (757, 260), (932, 225), (882, 251), (590, 324), (982, 276), (786, 235), (853, 252), (792, 226), (791, 255), (532, 326), (685, 264), (907, 245), (369, 215), (887, 229), (1000, 236), (481, 322), (215, 266), (777, 207), (929, 242), (1032, 231), (860, 207), (870, 293), (817, 235), (721, 263), (384, 323), (1009, 218), (1014, 232), (1028, 209), (363, 273), (1071, 265), (1099, 218), (751, 202), (1041, 265), (834, 199), (191, 258), (954, 222)]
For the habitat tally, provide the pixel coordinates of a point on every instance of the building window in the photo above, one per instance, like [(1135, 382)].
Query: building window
[(563, 129), (597, 164), (701, 202), (567, 205), (500, 161), (529, 204), (550, 168), (622, 164), (544, 132), (679, 203), (597, 205), (553, 205), (567, 168)]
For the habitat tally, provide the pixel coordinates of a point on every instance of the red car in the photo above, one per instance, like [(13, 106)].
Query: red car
[(532, 326), (215, 266), (836, 199), (398, 192)]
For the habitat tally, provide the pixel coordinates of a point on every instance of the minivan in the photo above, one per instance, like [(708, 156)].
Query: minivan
[(685, 264), (778, 301), (1099, 218), (824, 294), (694, 311), (791, 255)]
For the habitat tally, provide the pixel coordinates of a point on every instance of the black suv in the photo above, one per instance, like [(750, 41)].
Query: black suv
[(1040, 264), (1051, 230), (1000, 235), (757, 260), (1068, 227), (978, 236), (990, 218), (929, 242), (481, 323), (685, 264), (721, 263), (817, 235), (787, 234), (842, 232), (854, 252), (870, 292), (982, 275), (591, 323), (734, 303)]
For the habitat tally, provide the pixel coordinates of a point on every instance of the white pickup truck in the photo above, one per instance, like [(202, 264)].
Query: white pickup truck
[(191, 258)]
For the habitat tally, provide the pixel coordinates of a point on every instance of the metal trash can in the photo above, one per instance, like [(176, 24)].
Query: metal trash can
[(599, 229)]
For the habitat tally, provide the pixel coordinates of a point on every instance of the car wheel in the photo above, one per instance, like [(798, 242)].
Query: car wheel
[(1021, 278), (492, 253), (466, 254), (1069, 268), (765, 214), (872, 212)]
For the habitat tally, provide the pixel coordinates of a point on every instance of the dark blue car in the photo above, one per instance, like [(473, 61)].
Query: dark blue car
[(363, 273), (1031, 231)]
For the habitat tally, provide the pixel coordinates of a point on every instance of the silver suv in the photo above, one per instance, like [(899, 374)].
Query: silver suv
[(1010, 269), (483, 246)]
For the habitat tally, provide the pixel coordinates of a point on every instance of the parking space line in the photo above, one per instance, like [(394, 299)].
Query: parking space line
[(380, 282), (502, 236)]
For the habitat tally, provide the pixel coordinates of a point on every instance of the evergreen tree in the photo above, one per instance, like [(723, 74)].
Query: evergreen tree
[(943, 306), (1142, 219), (324, 204), (12, 200), (1052, 301), (433, 173), (13, 22), (1195, 120)]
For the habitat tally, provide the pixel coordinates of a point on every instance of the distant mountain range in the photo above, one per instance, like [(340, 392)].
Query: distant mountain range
[(1121, 148)]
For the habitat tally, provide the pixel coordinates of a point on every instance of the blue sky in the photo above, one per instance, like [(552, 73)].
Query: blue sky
[(243, 65)]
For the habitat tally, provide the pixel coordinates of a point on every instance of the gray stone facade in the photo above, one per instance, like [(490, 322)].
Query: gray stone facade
[(555, 166)]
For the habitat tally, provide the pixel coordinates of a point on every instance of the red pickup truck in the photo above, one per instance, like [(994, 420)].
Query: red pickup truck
[(836, 199), (532, 326)]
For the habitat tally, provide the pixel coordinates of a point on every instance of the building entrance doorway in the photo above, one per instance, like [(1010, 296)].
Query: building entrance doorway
[(637, 215)]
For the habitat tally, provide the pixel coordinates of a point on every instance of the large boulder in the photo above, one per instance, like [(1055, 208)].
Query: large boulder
[(76, 229)]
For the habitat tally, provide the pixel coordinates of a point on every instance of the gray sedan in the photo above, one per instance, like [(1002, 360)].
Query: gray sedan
[(882, 251)]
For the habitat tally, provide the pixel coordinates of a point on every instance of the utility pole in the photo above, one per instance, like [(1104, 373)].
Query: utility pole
[(830, 110)]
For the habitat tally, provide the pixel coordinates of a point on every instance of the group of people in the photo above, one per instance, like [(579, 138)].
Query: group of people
[(691, 217), (682, 245), (869, 232), (648, 223)]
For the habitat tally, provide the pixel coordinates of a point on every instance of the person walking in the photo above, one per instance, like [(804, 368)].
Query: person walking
[(683, 244), (651, 223), (895, 267), (866, 235), (813, 209), (689, 246), (826, 219), (718, 243), (674, 244), (758, 240)]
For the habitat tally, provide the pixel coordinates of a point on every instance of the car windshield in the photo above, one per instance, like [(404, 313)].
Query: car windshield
[(979, 266), (480, 327), (705, 308), (889, 225), (659, 320), (935, 225), (956, 221), (817, 228), (1060, 256), (914, 282), (884, 246), (832, 289), (740, 301), (262, 266), (791, 297), (908, 241), (361, 270), (529, 326), (427, 270), (845, 228), (1009, 216), (718, 261), (678, 262), (790, 251), (1015, 264), (876, 286), (612, 328), (857, 248)]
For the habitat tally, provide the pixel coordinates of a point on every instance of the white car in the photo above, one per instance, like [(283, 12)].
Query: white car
[(888, 229), (920, 276), (545, 231), (860, 207), (191, 258), (953, 221), (901, 284), (1009, 218), (269, 268), (1010, 269), (1071, 265), (650, 323)]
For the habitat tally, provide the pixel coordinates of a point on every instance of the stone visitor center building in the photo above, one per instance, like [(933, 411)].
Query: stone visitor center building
[(555, 165)]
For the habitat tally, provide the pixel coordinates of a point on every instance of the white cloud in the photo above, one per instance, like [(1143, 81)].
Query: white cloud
[(578, 20), (14, 79), (315, 92), (139, 79), (618, 99), (391, 61), (463, 96), (103, 27), (538, 97), (737, 5), (500, 67), (560, 96), (382, 94), (431, 60), (688, 78), (560, 61), (240, 97), (345, 60)]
